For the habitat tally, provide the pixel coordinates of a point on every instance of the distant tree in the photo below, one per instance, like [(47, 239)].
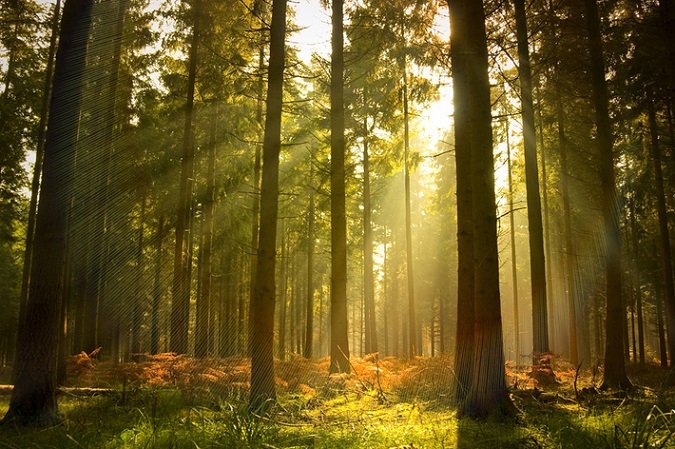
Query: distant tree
[(180, 302), (33, 400), (536, 232)]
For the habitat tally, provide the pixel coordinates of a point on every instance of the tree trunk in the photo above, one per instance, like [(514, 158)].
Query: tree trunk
[(514, 265), (39, 155), (570, 251), (137, 308), (615, 369), (157, 289), (262, 349), (180, 291), (33, 399), (536, 231), (339, 346), (488, 394), (666, 257), (368, 280), (283, 295), (465, 275), (412, 325), (309, 329), (205, 303)]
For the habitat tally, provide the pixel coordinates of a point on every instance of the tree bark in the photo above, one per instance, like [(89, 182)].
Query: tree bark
[(309, 329), (536, 230), (615, 369), (488, 395), (262, 349), (205, 304), (33, 400), (514, 265), (666, 256), (339, 346), (570, 251), (465, 274), (180, 291)]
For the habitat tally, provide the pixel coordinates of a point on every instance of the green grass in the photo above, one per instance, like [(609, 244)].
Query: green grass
[(173, 418)]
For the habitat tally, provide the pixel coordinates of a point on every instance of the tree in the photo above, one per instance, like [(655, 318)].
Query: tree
[(180, 305), (488, 394), (464, 350), (536, 233), (615, 369), (262, 343), (339, 346), (33, 400)]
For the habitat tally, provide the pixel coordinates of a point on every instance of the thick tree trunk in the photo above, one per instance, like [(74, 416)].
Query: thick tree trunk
[(615, 369), (339, 346), (465, 275), (33, 400), (180, 291), (39, 155), (488, 394), (262, 349)]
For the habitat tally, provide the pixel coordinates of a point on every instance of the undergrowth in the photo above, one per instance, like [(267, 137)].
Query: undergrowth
[(176, 402)]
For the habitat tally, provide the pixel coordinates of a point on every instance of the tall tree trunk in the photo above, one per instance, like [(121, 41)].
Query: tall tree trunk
[(33, 399), (465, 275), (309, 329), (368, 281), (262, 349), (638, 282), (39, 155), (180, 291), (412, 325), (488, 394), (205, 303), (615, 368), (339, 346), (514, 265), (666, 256), (536, 232), (570, 251)]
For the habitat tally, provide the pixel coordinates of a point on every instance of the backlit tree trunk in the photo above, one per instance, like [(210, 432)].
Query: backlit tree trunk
[(339, 346), (33, 400), (615, 369), (464, 351), (536, 230), (180, 292), (666, 256), (262, 343)]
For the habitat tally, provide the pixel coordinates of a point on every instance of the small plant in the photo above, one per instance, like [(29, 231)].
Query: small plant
[(244, 429), (654, 431)]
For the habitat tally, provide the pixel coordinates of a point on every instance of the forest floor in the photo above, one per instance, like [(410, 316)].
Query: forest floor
[(177, 402)]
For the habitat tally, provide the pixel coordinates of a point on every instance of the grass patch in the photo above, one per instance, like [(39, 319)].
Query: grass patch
[(382, 405)]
